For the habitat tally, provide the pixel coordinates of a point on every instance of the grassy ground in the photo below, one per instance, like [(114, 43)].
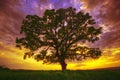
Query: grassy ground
[(59, 75)]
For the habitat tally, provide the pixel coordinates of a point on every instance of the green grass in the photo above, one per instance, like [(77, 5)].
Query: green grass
[(59, 75)]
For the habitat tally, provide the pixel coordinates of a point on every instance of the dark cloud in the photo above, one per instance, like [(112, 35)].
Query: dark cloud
[(12, 13), (107, 12), (10, 20), (113, 11)]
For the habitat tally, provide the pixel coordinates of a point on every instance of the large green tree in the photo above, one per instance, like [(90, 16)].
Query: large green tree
[(58, 32)]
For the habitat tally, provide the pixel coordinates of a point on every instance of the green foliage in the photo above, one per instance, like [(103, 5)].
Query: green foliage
[(58, 30)]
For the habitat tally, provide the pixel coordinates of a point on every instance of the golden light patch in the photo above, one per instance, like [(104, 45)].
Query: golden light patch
[(13, 58), (108, 59), (84, 6)]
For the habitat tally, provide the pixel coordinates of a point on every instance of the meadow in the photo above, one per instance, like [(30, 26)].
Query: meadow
[(60, 75)]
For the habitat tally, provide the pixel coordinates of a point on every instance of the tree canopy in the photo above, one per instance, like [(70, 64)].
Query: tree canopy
[(56, 34)]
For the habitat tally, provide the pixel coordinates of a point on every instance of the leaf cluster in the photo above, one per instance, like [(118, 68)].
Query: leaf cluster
[(58, 30)]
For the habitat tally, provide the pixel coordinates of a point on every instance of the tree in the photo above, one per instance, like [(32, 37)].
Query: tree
[(56, 34)]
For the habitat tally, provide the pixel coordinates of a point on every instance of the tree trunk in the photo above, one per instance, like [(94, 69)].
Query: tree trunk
[(63, 65)]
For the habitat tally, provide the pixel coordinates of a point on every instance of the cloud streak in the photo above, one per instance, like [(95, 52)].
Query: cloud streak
[(107, 13), (12, 12)]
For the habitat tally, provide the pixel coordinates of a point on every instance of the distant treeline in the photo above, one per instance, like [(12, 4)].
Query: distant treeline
[(4, 68)]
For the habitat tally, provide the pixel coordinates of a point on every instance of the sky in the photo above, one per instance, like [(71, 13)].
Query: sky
[(105, 12)]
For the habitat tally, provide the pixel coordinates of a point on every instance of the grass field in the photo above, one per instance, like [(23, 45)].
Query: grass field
[(59, 75)]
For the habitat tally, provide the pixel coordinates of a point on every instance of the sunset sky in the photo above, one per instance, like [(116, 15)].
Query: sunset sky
[(105, 12)]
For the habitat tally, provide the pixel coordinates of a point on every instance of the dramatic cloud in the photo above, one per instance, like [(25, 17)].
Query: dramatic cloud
[(10, 20), (105, 12)]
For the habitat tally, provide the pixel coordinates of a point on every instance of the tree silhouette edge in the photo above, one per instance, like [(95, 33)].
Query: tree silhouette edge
[(59, 31)]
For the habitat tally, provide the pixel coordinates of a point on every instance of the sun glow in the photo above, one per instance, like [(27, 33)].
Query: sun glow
[(110, 58), (13, 58)]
